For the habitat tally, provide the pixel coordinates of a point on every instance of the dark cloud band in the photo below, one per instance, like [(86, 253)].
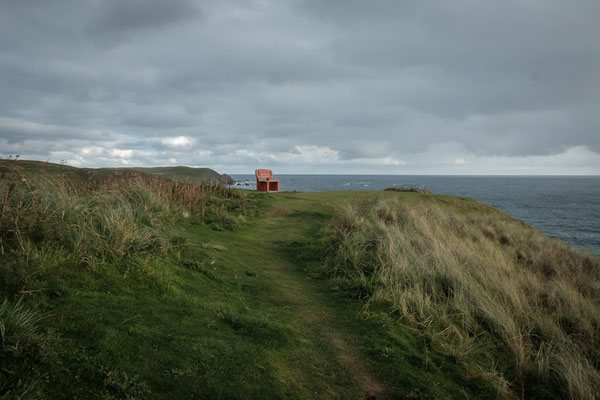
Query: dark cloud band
[(308, 85)]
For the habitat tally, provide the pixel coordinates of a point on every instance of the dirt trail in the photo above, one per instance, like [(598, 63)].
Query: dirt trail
[(373, 389), (310, 303)]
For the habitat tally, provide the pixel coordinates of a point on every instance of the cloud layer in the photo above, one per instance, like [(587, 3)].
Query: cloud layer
[(304, 86)]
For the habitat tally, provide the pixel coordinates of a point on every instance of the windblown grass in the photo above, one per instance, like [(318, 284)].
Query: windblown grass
[(488, 292), (106, 216), (20, 341), (87, 220)]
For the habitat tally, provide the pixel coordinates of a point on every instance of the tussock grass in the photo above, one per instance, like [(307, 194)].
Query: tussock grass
[(46, 222), (492, 294), (18, 328), (53, 226), (106, 217), (21, 340), (95, 218)]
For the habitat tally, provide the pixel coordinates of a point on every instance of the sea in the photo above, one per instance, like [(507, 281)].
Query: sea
[(566, 207)]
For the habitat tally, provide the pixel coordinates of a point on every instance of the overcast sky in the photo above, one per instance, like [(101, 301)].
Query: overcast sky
[(304, 86)]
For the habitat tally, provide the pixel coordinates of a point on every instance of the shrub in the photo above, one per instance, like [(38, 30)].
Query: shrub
[(409, 189)]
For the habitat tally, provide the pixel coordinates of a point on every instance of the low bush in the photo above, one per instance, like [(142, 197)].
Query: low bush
[(409, 189)]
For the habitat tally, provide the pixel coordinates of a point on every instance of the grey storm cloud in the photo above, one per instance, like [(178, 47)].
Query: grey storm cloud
[(304, 85)]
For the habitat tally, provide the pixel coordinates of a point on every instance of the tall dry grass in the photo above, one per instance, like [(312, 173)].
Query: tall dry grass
[(91, 218), (107, 224), (507, 303), (51, 223), (110, 214)]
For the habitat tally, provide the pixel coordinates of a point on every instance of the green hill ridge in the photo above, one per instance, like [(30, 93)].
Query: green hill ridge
[(179, 173), (189, 174)]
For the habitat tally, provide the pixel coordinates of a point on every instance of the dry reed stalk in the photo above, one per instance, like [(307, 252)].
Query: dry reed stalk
[(202, 204)]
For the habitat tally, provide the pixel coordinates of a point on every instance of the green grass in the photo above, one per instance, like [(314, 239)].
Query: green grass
[(500, 300), (164, 303), (182, 174), (79, 238), (188, 174)]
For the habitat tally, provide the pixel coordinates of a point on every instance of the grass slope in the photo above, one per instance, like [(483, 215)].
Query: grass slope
[(248, 312), (487, 292), (183, 174), (34, 167), (188, 174)]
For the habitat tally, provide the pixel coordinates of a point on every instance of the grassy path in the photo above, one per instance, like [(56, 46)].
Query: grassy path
[(255, 313), (317, 358), (236, 316), (311, 305)]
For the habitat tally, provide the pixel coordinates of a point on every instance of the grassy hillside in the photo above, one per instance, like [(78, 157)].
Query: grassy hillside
[(68, 237), (125, 285), (35, 167), (488, 293), (188, 174), (182, 174)]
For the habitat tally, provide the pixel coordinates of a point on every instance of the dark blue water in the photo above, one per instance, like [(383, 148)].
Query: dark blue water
[(566, 207)]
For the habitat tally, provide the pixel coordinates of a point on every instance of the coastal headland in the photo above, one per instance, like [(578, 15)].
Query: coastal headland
[(159, 284)]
